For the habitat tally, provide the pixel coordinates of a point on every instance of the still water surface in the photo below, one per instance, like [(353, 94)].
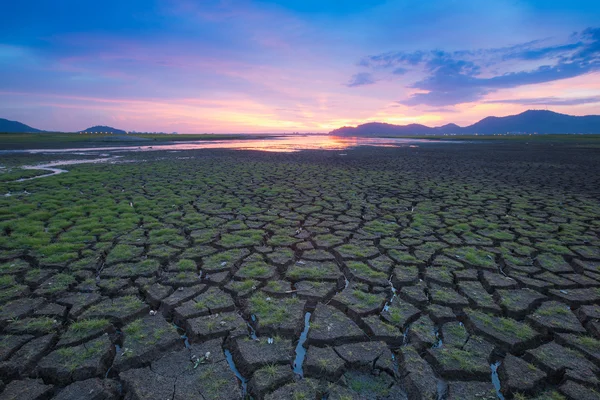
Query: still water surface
[(276, 144)]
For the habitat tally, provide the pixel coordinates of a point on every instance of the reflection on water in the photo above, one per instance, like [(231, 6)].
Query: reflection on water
[(55, 171), (289, 143), (276, 144)]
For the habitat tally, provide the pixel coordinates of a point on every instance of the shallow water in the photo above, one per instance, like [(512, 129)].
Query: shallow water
[(275, 144), (300, 350), (233, 367), (496, 379), (442, 389), (55, 171)]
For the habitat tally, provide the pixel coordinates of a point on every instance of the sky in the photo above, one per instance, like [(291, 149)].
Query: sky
[(293, 65)]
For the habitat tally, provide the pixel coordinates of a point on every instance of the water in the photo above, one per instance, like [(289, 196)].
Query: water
[(496, 379), (405, 336), (387, 305), (177, 327), (286, 143), (237, 373), (439, 342), (300, 350), (55, 171), (395, 365), (442, 390), (252, 330), (117, 352), (186, 342)]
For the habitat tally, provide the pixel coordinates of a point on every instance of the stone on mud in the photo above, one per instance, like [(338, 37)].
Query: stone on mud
[(213, 326), (85, 361), (90, 389), (331, 326), (419, 379), (144, 340), (471, 391), (28, 389), (321, 361), (519, 376), (250, 355), (268, 378), (26, 357)]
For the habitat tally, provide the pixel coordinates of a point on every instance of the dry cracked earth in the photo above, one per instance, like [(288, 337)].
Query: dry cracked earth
[(461, 271)]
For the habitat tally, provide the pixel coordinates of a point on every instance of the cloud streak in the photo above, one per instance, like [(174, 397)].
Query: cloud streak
[(267, 65), (467, 76), (361, 79), (549, 101)]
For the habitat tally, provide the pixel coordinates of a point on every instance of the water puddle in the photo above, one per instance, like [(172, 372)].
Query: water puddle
[(10, 194), (394, 290), (243, 381), (186, 342), (405, 336), (387, 305), (183, 335), (282, 143), (300, 350), (55, 171), (251, 330), (439, 342), (178, 327), (442, 390), (118, 350), (395, 365), (496, 379)]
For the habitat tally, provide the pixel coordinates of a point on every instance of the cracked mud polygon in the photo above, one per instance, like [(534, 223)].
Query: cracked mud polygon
[(462, 271)]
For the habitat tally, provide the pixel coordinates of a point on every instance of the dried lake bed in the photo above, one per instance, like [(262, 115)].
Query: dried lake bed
[(396, 270)]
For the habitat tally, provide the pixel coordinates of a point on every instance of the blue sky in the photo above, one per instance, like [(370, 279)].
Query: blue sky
[(276, 66)]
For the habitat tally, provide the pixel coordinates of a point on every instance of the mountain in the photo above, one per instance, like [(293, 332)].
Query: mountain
[(540, 121), (15, 127), (449, 128), (531, 121), (386, 129), (104, 129)]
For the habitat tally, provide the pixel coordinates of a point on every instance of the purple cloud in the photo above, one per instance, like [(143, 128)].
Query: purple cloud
[(361, 79), (549, 101), (465, 76), (399, 71)]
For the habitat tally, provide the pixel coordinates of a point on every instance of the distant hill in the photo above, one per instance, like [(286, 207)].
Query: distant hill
[(104, 129), (531, 121), (15, 127)]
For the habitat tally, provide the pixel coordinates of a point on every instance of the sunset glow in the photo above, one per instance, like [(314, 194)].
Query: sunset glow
[(287, 66)]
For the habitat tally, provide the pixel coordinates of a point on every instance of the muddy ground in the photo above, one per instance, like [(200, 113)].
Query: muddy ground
[(445, 271)]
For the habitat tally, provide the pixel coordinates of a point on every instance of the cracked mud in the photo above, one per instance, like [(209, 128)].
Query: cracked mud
[(469, 271)]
